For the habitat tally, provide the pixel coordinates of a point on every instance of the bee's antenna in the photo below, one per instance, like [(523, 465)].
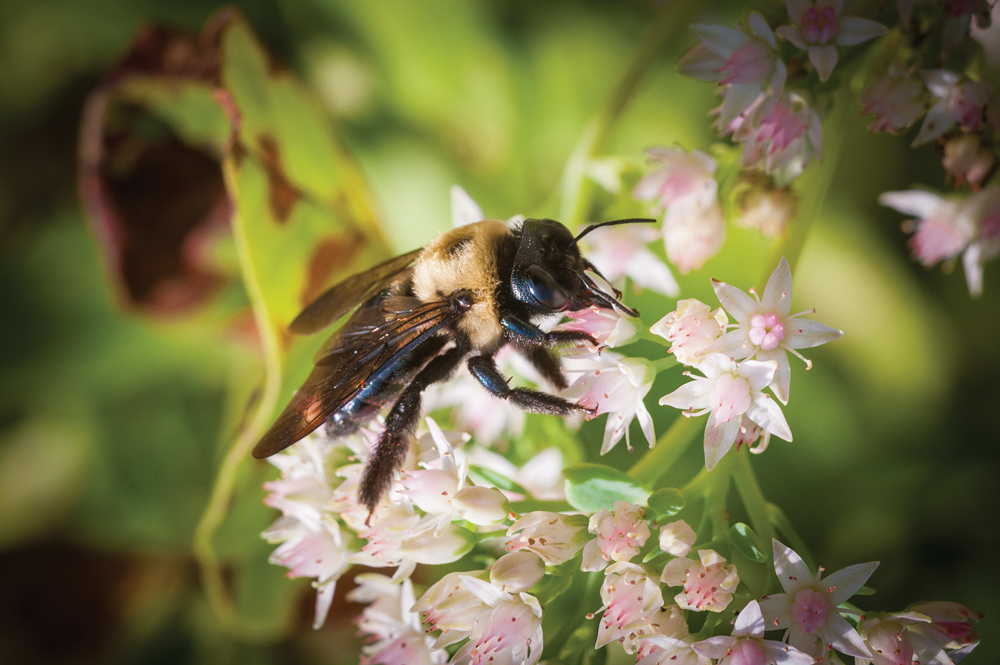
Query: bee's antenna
[(630, 220)]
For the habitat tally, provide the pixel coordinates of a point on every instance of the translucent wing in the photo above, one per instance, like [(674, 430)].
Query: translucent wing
[(377, 343), (338, 300)]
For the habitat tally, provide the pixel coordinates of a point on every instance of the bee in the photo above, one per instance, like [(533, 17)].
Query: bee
[(461, 298)]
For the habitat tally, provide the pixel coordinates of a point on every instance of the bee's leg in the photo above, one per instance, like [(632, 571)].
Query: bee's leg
[(485, 370), (547, 364), (525, 333), (390, 449)]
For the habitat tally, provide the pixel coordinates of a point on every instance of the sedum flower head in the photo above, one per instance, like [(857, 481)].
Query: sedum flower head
[(708, 582), (766, 329), (727, 392), (819, 27), (808, 606), (620, 535)]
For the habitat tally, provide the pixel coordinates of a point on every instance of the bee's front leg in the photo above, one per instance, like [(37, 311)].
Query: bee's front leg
[(525, 333), (485, 370)]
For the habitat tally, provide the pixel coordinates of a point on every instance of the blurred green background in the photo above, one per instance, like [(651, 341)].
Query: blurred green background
[(112, 424)]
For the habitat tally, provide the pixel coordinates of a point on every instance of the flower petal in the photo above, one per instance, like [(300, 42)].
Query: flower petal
[(645, 422), (777, 610), (791, 33), (464, 209), (486, 592), (750, 621), (783, 654), (737, 304), (804, 334), (719, 438), (797, 9), (782, 381), (853, 30), (766, 413), (714, 647), (843, 584), (937, 121), (761, 30), (698, 63), (915, 202), (842, 636), (757, 373), (690, 395), (720, 39), (824, 59), (734, 344), (791, 570), (777, 295), (738, 98), (648, 270)]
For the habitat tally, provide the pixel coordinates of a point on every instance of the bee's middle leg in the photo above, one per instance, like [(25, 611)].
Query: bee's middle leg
[(400, 422), (484, 368)]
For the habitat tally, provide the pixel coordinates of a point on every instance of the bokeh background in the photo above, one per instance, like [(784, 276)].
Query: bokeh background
[(113, 422)]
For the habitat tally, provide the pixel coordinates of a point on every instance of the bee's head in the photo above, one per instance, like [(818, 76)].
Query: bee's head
[(550, 275)]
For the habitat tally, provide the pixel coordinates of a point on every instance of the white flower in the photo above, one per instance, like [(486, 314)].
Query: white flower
[(747, 646), (554, 537), (708, 583), (782, 138), (819, 28), (677, 538), (621, 251), (541, 476), (892, 641), (895, 98), (510, 631), (950, 627), (631, 595), (727, 392), (667, 650), (620, 535), (956, 101), (315, 551), (765, 329), (440, 491), (450, 607), (808, 606), (517, 571), (394, 632), (616, 386), (690, 328), (746, 63)]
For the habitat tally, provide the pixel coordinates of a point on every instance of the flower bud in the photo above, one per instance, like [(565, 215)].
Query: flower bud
[(967, 159), (677, 538), (517, 571), (691, 327), (481, 505)]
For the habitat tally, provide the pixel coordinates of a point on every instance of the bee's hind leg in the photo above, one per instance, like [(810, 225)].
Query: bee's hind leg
[(400, 422), (485, 370)]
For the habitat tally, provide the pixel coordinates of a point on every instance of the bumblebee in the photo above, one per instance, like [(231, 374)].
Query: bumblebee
[(464, 296)]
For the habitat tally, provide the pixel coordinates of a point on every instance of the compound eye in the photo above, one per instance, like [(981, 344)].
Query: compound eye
[(545, 289)]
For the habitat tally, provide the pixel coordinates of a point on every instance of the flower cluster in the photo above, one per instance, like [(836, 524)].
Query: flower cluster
[(739, 361)]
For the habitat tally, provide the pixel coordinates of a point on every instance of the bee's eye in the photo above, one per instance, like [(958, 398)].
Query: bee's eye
[(545, 289)]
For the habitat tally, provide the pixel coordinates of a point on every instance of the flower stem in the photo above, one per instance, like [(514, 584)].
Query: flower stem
[(673, 20), (753, 499), (663, 363), (669, 448), (780, 522)]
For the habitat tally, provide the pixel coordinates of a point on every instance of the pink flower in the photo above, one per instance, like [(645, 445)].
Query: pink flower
[(819, 28), (950, 627), (765, 328), (621, 251), (510, 631), (959, 15), (554, 537), (607, 326), (620, 535), (895, 98), (708, 583), (747, 645), (808, 606), (614, 385), (677, 538), (632, 598), (692, 234), (746, 63), (315, 551), (726, 393), (451, 607), (984, 206), (782, 138), (681, 176), (956, 101), (392, 630), (892, 641), (690, 328), (667, 650), (968, 160)]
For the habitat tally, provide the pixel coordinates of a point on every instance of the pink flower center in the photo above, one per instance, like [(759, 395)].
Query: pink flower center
[(809, 610), (730, 397), (819, 25), (766, 330), (702, 587), (746, 652), (748, 64)]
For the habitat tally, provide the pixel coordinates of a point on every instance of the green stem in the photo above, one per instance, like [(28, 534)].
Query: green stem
[(576, 190), (718, 491), (753, 499), (225, 482), (662, 364), (669, 448)]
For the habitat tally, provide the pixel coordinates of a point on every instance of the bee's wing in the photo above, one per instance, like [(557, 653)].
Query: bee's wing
[(376, 342), (341, 298)]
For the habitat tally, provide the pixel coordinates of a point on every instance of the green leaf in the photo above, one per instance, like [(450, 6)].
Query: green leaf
[(666, 502), (747, 542), (865, 591), (591, 487), (496, 479)]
